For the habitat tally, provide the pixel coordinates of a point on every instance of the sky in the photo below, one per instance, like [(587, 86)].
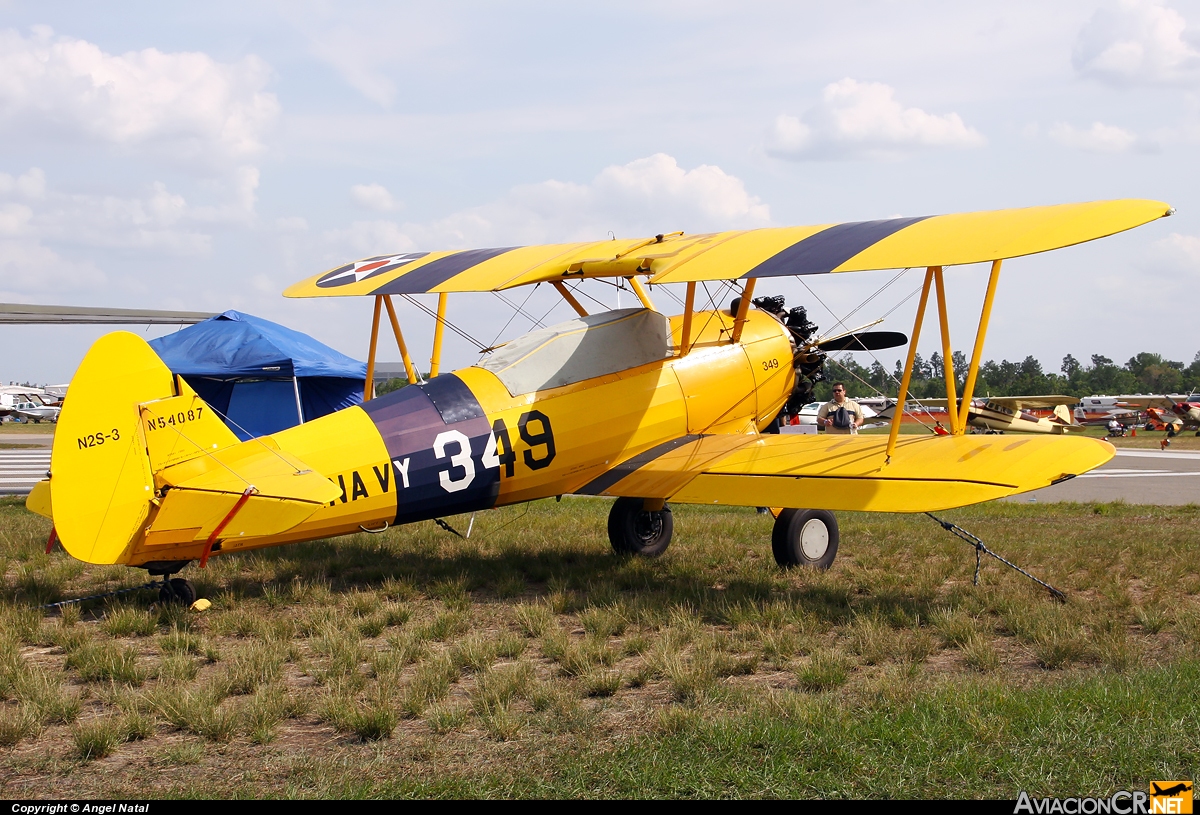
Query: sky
[(206, 156)]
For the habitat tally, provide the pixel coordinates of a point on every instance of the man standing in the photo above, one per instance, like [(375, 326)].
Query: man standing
[(842, 415)]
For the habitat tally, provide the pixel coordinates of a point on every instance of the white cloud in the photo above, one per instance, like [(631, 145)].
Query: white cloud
[(186, 103), (1137, 42), (1175, 256), (27, 267), (1099, 138), (240, 190), (374, 197), (30, 184), (864, 120), (14, 219), (357, 62), (37, 221), (644, 197)]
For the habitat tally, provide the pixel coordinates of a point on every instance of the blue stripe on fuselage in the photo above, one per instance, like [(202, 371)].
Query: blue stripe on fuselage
[(436, 434)]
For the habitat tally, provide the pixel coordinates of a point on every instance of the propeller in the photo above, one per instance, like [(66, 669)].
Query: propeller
[(865, 341)]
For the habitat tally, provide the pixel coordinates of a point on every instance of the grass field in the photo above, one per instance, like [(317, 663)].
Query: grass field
[(529, 661), (26, 428)]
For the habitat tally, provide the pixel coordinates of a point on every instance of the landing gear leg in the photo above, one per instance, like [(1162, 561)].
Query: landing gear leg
[(174, 589)]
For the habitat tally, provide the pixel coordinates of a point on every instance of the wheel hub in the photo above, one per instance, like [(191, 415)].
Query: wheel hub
[(814, 539), (648, 526)]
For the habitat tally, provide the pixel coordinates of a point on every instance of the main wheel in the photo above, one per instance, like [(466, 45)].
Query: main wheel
[(1170, 431), (177, 590), (633, 530), (805, 537)]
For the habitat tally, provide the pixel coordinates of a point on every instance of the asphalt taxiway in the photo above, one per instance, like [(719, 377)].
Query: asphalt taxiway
[(1166, 478)]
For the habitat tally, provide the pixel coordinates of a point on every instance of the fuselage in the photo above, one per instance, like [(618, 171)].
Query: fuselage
[(991, 416), (466, 441)]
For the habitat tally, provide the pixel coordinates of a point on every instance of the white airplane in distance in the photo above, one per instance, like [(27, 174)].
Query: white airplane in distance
[(27, 403), (808, 413), (1100, 410)]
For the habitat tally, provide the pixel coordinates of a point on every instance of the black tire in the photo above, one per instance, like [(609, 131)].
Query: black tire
[(805, 537), (178, 591), (634, 531), (1170, 431)]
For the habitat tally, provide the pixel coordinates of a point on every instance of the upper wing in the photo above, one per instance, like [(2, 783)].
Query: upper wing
[(938, 240), (849, 472), (1147, 402), (1020, 402)]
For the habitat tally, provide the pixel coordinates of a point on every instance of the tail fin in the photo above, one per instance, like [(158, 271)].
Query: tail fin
[(136, 448)]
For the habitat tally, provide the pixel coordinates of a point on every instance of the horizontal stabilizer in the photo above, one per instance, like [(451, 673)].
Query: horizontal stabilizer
[(257, 463), (193, 515), (851, 472), (38, 500)]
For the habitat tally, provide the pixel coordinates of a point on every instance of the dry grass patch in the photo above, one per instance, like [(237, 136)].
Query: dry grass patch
[(588, 662)]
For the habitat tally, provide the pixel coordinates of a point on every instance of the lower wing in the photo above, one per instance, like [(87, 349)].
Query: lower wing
[(850, 472)]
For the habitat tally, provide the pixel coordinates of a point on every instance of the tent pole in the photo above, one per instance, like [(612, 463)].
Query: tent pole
[(369, 385), (947, 355), (435, 361), (299, 405), (894, 432), (408, 364), (980, 335)]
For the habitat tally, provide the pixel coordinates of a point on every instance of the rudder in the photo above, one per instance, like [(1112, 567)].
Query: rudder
[(104, 458)]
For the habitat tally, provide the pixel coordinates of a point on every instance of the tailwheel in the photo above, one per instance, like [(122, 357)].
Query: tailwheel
[(177, 590), (805, 537), (634, 530)]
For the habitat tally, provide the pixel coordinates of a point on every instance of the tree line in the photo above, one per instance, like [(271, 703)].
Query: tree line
[(1144, 373)]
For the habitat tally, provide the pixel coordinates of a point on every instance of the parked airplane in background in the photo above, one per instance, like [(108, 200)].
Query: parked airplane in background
[(28, 403), (1100, 410), (1010, 413), (36, 412), (1175, 414)]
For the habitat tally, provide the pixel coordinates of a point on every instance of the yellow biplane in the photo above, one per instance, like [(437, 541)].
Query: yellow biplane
[(632, 404)]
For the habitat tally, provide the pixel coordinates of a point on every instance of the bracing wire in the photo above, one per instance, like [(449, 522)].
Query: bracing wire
[(579, 290), (672, 295), (841, 321), (446, 322), (516, 310)]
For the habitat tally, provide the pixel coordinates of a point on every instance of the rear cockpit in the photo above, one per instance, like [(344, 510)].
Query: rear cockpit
[(580, 349)]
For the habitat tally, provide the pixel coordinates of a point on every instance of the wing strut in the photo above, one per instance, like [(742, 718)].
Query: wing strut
[(685, 333), (409, 369), (956, 429), (739, 320), (973, 371), (369, 384), (640, 291), (439, 326), (570, 298), (908, 367)]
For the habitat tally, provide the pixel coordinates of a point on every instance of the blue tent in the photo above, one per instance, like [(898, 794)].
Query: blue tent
[(259, 375)]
